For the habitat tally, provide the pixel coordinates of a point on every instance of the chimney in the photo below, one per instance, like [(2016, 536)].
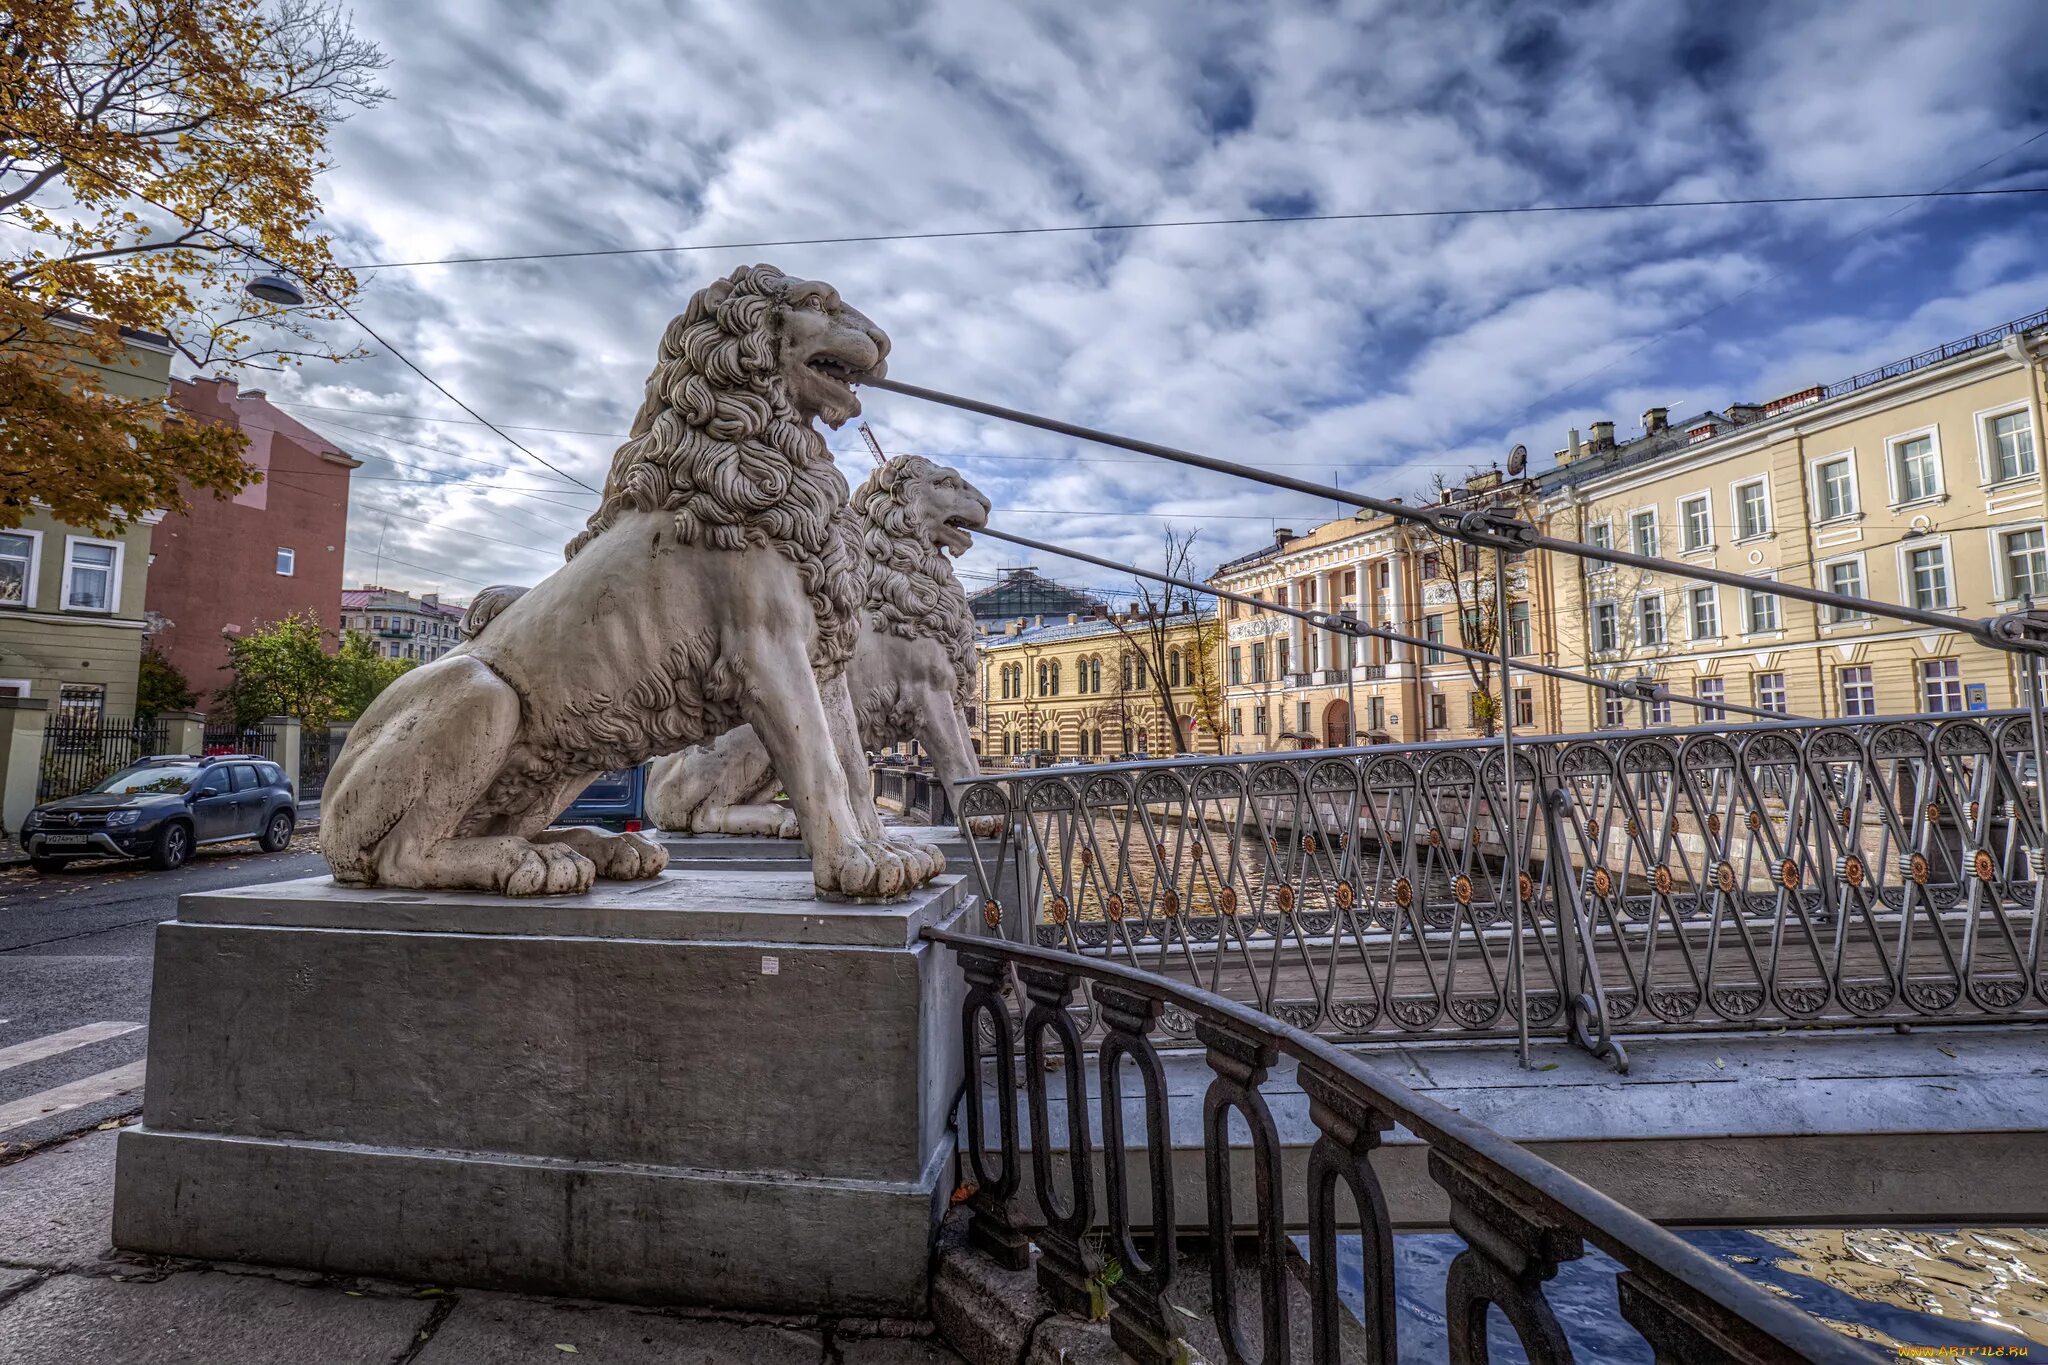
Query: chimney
[(1743, 413), (1282, 534), (1073, 618), (1037, 621), (1656, 420), (430, 599), (1012, 627), (1603, 435)]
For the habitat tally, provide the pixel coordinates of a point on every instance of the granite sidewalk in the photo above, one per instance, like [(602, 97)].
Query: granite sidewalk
[(66, 1295)]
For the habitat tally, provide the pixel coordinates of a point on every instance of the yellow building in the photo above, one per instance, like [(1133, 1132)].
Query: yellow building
[(1292, 685), (71, 615), (1098, 687), (1918, 483)]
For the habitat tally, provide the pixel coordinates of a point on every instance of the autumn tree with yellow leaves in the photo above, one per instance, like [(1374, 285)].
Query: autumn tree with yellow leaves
[(154, 155)]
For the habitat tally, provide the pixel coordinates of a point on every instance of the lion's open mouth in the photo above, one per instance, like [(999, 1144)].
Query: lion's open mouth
[(955, 535)]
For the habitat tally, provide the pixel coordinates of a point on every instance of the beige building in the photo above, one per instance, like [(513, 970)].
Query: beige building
[(1289, 684), (71, 600), (1917, 483), (400, 625), (1097, 688)]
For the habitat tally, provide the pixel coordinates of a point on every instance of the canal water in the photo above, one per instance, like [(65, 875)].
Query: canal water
[(1968, 1287)]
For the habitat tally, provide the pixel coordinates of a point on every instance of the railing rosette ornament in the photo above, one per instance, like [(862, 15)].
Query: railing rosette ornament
[(1521, 1218)]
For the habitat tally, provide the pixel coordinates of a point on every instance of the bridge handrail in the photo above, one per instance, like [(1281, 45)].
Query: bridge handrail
[(1520, 1216)]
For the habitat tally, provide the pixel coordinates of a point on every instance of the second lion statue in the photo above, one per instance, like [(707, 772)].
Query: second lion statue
[(912, 674), (716, 585)]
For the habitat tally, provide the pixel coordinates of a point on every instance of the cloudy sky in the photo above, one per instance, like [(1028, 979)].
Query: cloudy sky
[(1376, 353)]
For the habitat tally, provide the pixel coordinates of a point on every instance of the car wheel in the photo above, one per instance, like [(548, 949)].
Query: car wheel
[(277, 835), (173, 847), (45, 864)]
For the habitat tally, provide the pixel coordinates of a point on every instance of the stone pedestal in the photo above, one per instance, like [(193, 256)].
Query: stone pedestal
[(711, 1088)]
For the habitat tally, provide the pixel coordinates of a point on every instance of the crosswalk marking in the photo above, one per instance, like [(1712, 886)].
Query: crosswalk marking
[(35, 1049), (74, 1095)]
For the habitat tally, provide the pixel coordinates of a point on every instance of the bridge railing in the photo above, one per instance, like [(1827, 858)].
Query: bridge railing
[(1521, 1217), (1767, 875)]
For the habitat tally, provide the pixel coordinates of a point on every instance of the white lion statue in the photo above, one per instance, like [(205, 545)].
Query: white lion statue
[(913, 670), (718, 584)]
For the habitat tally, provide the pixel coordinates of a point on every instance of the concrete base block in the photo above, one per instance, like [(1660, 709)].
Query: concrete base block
[(707, 1089)]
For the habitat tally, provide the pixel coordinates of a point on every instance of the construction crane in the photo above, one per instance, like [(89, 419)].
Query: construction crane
[(874, 446)]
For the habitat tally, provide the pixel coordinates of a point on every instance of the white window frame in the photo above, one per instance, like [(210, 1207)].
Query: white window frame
[(1814, 485), (1656, 531), (1784, 698), (1842, 688), (1832, 616), (291, 559), (1986, 453), (1595, 564), (1592, 627), (1777, 608), (1905, 552), (1735, 510), (1920, 684), (33, 586), (1716, 708), (113, 607), (27, 688), (1891, 467), (1663, 621), (1705, 497), (1691, 618), (2001, 568)]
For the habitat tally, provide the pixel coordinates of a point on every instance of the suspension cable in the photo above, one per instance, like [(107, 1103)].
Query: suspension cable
[(1483, 527), (1344, 625)]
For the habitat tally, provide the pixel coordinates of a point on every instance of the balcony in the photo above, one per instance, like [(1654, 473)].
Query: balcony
[(1331, 676), (1373, 672)]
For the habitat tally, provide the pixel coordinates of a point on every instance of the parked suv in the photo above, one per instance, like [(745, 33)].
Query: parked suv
[(164, 807)]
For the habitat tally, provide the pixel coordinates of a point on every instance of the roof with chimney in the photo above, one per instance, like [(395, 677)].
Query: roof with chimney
[(370, 597)]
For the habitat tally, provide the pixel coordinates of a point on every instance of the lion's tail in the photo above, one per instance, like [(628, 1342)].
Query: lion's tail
[(486, 607)]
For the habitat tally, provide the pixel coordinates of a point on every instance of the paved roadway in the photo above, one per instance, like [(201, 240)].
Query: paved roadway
[(75, 950)]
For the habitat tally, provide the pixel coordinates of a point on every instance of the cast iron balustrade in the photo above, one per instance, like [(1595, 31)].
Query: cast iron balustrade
[(1769, 875), (81, 749), (1520, 1216)]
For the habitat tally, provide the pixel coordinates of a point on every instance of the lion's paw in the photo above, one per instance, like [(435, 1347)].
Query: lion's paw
[(870, 867), (547, 870), (924, 856), (786, 827), (628, 857), (983, 826)]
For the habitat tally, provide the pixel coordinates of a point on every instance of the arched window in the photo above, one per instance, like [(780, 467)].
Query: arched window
[(1054, 673), (1053, 744), (1127, 673), (1095, 677), (1041, 678), (1173, 667), (1141, 671)]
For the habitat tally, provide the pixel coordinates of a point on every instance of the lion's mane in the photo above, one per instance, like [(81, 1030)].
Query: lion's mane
[(912, 591), (718, 444)]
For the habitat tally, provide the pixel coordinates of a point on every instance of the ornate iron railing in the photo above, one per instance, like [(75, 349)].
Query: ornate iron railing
[(1769, 875), (1521, 1217), (81, 749)]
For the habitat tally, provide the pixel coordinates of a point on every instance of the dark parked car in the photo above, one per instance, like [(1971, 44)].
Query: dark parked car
[(163, 808)]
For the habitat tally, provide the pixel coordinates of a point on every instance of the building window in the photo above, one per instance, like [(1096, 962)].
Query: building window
[(1650, 620), (1237, 720), (287, 559), (1859, 690), (1258, 666), (1432, 566), (1845, 576), (1704, 606), (1052, 744), (1834, 487), (1600, 536), (1301, 718), (1927, 577), (1236, 665), (1713, 690), (1518, 629), (1606, 628), (1660, 711), (92, 571), (1761, 610), (1696, 522), (2009, 441), (1642, 533), (1173, 668), (1041, 678), (1095, 674), (1439, 711), (1350, 583), (1941, 685), (377, 622), (1433, 631), (1752, 509), (2026, 563), (1916, 469), (1613, 710), (1770, 693), (82, 701), (1525, 706), (1258, 723), (18, 568), (1053, 672), (1376, 712)]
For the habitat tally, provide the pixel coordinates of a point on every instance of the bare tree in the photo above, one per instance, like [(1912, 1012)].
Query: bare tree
[(1472, 574), (1177, 647)]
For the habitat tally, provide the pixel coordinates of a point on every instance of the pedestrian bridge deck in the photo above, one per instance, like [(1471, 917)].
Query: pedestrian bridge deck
[(1942, 1125)]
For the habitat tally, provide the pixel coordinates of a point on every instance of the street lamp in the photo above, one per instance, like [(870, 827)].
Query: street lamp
[(275, 289)]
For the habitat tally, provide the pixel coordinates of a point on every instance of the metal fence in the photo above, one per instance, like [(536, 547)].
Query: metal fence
[(80, 751), (1521, 1217), (318, 748), (227, 739), (1765, 875), (914, 792)]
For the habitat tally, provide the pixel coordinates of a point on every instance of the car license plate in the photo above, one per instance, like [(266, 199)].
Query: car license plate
[(65, 838)]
